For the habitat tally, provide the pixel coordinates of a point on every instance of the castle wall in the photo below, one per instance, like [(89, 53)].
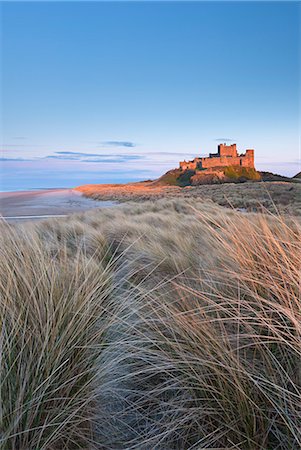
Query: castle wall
[(248, 159), (188, 165), (221, 161), (224, 161), (226, 156)]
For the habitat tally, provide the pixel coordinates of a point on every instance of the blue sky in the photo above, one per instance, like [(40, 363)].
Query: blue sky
[(121, 91)]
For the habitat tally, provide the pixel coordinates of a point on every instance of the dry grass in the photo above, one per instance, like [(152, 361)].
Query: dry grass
[(171, 324), (284, 197), (52, 331)]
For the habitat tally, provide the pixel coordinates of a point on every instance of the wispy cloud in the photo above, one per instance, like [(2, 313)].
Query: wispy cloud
[(224, 139), (293, 162), (94, 157), (12, 145), (127, 144), (22, 145), (87, 157), (15, 159), (181, 154)]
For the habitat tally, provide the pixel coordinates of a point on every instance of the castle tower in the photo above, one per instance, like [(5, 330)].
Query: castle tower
[(227, 150)]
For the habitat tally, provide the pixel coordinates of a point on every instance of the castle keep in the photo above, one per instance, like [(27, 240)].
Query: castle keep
[(226, 156)]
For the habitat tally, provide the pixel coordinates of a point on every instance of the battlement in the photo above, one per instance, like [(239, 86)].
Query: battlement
[(226, 156)]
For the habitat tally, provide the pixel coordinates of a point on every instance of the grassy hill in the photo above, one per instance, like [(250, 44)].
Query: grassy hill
[(176, 177), (231, 174)]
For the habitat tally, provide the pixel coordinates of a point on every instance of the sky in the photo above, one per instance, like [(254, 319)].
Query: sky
[(100, 92)]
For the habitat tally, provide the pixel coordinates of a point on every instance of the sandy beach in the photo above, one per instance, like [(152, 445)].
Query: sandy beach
[(34, 205)]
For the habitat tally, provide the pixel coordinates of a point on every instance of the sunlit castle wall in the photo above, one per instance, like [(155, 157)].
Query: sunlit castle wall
[(226, 156)]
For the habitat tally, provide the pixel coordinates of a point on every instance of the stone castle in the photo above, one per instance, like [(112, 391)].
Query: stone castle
[(226, 155)]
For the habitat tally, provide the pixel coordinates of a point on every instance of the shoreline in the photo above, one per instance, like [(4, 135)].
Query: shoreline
[(43, 204)]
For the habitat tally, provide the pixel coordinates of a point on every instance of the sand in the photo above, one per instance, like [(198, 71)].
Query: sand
[(34, 205)]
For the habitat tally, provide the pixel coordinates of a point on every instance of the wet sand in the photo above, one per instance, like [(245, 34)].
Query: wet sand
[(34, 205)]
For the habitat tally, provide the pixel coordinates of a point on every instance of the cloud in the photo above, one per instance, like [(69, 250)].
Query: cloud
[(181, 154), (127, 144), (223, 139), (15, 159), (22, 145), (294, 162), (82, 157), (94, 157), (81, 154), (13, 145), (109, 158)]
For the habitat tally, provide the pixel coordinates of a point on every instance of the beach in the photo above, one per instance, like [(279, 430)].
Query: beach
[(42, 204)]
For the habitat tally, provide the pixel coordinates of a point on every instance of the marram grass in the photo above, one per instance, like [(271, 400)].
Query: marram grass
[(169, 324)]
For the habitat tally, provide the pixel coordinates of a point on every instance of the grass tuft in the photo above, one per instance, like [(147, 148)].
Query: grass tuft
[(167, 324)]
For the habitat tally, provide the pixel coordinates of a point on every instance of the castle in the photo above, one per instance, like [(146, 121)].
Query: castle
[(226, 156)]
